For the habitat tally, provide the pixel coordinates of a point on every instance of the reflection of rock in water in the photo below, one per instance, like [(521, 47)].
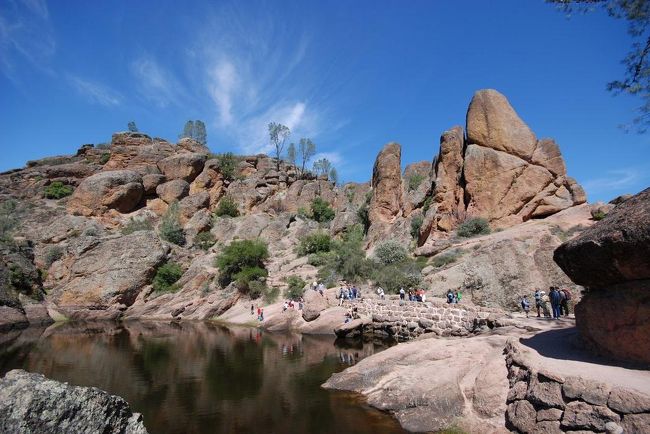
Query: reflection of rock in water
[(200, 377)]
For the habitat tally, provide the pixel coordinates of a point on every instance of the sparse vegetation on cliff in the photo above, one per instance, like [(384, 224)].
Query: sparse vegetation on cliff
[(296, 287), (242, 262), (57, 190), (166, 277), (226, 208), (227, 164), (204, 240), (321, 211), (170, 227), (473, 227), (135, 225), (316, 242)]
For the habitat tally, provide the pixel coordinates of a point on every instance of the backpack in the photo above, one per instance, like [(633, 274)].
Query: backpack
[(567, 294)]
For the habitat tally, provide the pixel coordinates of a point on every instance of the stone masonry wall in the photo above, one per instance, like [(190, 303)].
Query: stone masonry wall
[(408, 319), (545, 402)]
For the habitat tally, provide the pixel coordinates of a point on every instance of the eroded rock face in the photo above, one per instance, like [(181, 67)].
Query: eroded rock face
[(107, 277), (448, 193), (184, 166), (120, 190), (611, 260), (510, 176), (31, 403), (137, 152), (386, 202)]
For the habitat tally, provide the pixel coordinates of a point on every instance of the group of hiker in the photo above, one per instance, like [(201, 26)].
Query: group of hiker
[(260, 313), (290, 304), (413, 294), (557, 298), (454, 296), (347, 292)]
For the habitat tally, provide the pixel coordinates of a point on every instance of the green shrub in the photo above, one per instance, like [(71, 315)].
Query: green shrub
[(296, 287), (390, 252), (243, 262), (319, 259), (170, 227), (347, 260), (314, 243), (414, 181), (104, 158), (416, 225), (427, 204), (405, 274), (53, 254), (303, 213), (227, 207), (57, 190), (321, 211), (227, 165), (269, 294), (598, 215), (473, 227), (166, 277), (446, 258), (135, 225), (204, 240)]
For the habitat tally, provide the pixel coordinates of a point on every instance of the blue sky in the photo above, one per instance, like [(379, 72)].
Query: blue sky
[(351, 75)]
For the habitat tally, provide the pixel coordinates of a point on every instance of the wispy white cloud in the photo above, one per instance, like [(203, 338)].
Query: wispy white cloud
[(25, 35), (95, 92), (154, 82), (616, 179), (222, 85)]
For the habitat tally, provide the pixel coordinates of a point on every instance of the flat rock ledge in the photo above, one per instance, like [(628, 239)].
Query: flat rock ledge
[(31, 403), (540, 401)]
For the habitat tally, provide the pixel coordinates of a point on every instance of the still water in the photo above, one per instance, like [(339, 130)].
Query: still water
[(204, 378)]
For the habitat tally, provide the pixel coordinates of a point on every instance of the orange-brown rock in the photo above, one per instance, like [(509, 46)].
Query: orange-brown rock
[(448, 192), (184, 166), (137, 152), (120, 190), (173, 190), (386, 202)]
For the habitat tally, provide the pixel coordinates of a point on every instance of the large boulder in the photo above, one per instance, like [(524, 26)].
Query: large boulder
[(448, 192), (386, 202), (108, 276), (173, 190), (611, 260), (314, 304), (121, 190), (185, 166), (138, 152), (31, 403)]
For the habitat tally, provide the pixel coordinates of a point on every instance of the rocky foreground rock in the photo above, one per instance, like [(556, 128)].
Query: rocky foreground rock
[(31, 403), (612, 260)]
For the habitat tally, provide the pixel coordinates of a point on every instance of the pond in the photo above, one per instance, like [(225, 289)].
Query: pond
[(203, 377)]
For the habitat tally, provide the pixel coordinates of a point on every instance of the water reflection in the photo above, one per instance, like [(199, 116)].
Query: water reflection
[(201, 377)]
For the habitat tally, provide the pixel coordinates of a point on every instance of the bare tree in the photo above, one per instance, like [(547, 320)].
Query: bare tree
[(278, 134), (307, 150)]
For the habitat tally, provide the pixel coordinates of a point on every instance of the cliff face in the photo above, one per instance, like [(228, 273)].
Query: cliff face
[(499, 171)]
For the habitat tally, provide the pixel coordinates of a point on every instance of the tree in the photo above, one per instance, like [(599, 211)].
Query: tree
[(334, 176), (636, 80), (278, 134), (291, 154), (307, 150), (198, 133), (188, 130), (322, 167), (132, 127)]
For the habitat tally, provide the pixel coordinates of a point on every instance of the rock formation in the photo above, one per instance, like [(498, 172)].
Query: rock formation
[(386, 202), (611, 260), (30, 403)]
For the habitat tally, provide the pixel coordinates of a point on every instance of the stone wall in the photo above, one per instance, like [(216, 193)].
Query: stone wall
[(545, 402), (405, 320)]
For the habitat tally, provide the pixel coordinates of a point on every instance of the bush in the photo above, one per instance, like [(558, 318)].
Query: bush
[(390, 252), (57, 190), (135, 225), (319, 259), (170, 228), (414, 181), (204, 240), (416, 225), (321, 211), (296, 287), (227, 164), (427, 204), (268, 294), (227, 207), (166, 277), (347, 260), (405, 274), (445, 258), (598, 215), (314, 243), (52, 255), (104, 158), (243, 262), (473, 227)]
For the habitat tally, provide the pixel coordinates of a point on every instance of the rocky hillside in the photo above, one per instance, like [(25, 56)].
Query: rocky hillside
[(97, 250)]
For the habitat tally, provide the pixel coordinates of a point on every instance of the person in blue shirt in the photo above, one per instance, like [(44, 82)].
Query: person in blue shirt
[(556, 300)]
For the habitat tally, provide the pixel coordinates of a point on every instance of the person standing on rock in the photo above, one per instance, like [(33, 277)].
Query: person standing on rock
[(566, 297), (525, 305), (450, 297), (556, 299), (252, 309), (538, 301), (458, 296), (401, 294)]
